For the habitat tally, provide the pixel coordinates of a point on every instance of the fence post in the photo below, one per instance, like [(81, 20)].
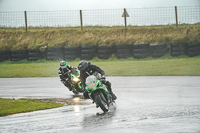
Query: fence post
[(81, 19), (176, 16), (125, 17), (25, 20)]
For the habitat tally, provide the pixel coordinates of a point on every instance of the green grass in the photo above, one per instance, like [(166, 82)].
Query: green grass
[(40, 38), (182, 66), (12, 106), (165, 66)]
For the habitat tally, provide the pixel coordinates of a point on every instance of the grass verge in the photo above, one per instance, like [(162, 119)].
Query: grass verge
[(164, 66), (40, 38), (12, 106)]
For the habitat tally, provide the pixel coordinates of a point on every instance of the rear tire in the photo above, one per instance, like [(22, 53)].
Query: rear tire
[(101, 101)]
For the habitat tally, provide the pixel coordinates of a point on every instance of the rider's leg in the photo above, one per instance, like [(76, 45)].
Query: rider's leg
[(107, 83), (66, 83), (85, 94)]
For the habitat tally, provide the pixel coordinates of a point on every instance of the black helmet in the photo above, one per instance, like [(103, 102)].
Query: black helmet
[(63, 64), (82, 65)]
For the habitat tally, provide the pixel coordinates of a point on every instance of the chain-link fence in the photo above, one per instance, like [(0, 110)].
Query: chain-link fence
[(111, 17)]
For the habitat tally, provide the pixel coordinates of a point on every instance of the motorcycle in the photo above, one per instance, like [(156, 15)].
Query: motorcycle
[(99, 93), (75, 81)]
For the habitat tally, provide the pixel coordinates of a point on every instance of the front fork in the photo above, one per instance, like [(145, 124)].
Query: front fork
[(102, 95)]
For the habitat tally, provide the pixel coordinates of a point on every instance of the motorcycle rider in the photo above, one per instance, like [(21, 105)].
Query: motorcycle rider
[(87, 69), (63, 71)]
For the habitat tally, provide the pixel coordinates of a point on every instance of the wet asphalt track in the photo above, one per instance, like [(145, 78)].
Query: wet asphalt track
[(144, 105)]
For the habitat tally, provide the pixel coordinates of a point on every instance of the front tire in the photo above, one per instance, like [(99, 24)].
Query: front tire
[(79, 89), (101, 101)]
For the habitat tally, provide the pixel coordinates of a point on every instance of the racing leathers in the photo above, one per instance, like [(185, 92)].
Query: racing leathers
[(64, 76), (91, 69)]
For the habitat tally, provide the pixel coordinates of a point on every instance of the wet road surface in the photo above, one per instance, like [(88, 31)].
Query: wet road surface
[(144, 104)]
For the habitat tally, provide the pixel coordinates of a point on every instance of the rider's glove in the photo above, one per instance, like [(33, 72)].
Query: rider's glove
[(103, 77), (66, 73)]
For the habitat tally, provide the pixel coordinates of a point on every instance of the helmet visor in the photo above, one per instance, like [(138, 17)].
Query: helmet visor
[(63, 67)]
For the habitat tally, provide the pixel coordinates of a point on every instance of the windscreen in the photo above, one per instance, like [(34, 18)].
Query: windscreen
[(90, 79)]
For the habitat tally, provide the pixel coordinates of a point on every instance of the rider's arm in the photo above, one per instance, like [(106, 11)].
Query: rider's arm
[(99, 70), (59, 71), (69, 67)]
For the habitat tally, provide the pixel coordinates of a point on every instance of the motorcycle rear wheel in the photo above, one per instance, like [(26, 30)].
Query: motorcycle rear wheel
[(101, 101)]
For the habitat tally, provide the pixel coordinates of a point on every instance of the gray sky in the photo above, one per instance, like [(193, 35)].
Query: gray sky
[(52, 5)]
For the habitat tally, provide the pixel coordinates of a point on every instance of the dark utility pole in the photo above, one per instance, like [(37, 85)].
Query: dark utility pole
[(25, 20)]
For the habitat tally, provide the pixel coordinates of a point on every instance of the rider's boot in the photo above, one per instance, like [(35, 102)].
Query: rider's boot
[(76, 93), (113, 95), (110, 89)]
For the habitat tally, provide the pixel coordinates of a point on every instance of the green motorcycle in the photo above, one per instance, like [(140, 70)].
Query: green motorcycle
[(75, 81), (99, 93)]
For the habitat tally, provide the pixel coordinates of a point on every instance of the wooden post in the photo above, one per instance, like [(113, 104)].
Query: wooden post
[(25, 20), (81, 19), (125, 17), (176, 16)]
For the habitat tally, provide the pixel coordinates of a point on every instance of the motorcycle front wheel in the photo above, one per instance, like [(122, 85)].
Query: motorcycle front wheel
[(79, 89), (101, 101)]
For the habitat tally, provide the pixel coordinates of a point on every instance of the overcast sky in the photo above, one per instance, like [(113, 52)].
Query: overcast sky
[(53, 5)]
